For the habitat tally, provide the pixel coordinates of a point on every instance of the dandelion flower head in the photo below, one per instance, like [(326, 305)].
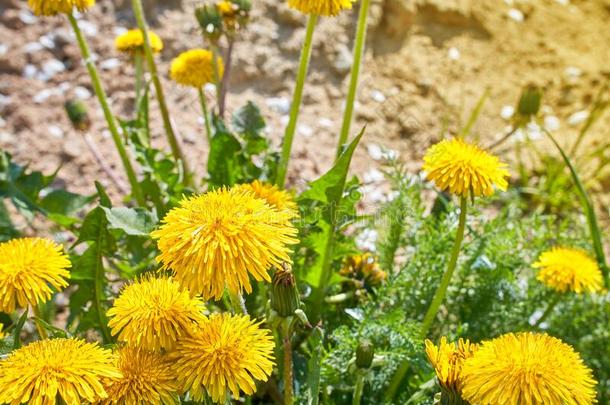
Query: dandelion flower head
[(566, 269), (195, 68), (278, 199), (133, 41), (327, 8), (448, 360), (54, 7)]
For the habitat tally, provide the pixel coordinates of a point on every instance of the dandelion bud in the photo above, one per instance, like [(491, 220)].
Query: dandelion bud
[(529, 103), (364, 354), (284, 293), (210, 21), (78, 115)]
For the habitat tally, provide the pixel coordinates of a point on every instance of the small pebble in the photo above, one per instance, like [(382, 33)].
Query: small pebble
[(30, 71), (325, 122), (55, 131), (552, 123), (516, 15), (374, 151), (3, 49), (453, 53), (52, 67), (378, 96), (88, 28), (47, 41), (373, 176), (82, 93), (32, 47), (278, 104), (507, 112), (305, 130), (110, 64), (578, 118), (27, 17)]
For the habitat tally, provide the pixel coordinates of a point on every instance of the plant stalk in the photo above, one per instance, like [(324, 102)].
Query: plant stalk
[(217, 79), (288, 374), (138, 63), (439, 296), (224, 86), (41, 330), (548, 311), (206, 116), (238, 304), (356, 65), (359, 387), (110, 119), (280, 179), (152, 67)]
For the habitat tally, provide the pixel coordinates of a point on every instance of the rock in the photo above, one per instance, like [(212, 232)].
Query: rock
[(305, 130), (89, 29), (453, 53), (342, 64), (325, 122), (51, 68), (278, 104), (47, 41), (27, 17), (30, 71), (398, 16), (32, 47), (552, 123), (82, 93), (73, 147), (55, 131), (110, 64), (374, 151), (516, 15), (507, 112), (578, 118)]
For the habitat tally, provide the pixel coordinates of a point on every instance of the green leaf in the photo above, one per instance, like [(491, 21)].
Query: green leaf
[(17, 330), (132, 221), (224, 166), (248, 119), (7, 229), (61, 205)]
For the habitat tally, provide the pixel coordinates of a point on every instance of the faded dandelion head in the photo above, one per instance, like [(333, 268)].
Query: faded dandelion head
[(43, 371), (327, 8), (448, 360), (30, 268), (527, 369), (566, 269), (464, 169), (227, 352), (54, 7), (195, 68), (276, 198), (146, 378), (153, 313), (217, 239), (133, 41)]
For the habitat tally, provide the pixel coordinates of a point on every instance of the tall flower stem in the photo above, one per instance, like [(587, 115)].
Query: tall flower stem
[(110, 119), (206, 116), (138, 63), (288, 374), (217, 79), (152, 67), (38, 314), (280, 179), (548, 311), (238, 304), (439, 296), (353, 84), (359, 382), (224, 86)]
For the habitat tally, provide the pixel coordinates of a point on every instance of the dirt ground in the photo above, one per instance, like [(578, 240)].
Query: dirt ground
[(427, 64)]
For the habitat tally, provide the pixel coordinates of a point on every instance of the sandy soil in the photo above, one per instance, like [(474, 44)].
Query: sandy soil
[(427, 64)]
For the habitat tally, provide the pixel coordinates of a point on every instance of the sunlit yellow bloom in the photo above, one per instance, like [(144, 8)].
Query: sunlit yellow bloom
[(226, 352), (363, 267), (30, 268), (217, 239), (527, 369), (53, 7), (464, 169), (153, 313), (69, 368), (195, 68), (133, 40), (328, 8), (147, 379), (225, 7), (278, 199), (2, 334), (565, 269), (448, 360)]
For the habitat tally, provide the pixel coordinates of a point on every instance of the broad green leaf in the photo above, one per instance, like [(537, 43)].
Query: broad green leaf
[(61, 205), (248, 119), (132, 221), (223, 162)]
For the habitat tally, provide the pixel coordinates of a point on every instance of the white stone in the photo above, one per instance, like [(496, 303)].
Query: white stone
[(4, 100), (82, 93), (32, 47), (516, 15), (45, 94), (88, 28), (52, 67), (507, 112), (563, 2), (284, 120), (56, 131), (30, 71), (2, 123), (552, 123), (572, 72), (378, 96), (374, 151), (278, 104), (27, 17), (47, 41), (305, 130), (367, 239), (453, 53), (325, 122), (117, 30), (3, 49), (373, 176), (578, 118), (110, 64)]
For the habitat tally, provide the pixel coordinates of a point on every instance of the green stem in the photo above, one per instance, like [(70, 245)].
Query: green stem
[(206, 117), (217, 78), (238, 304), (439, 296), (280, 179), (359, 387), (353, 85), (152, 67), (103, 100), (549, 310), (288, 375), (41, 330), (224, 86), (138, 62)]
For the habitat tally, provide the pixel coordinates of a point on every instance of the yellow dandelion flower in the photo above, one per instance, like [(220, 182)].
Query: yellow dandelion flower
[(54, 7), (448, 360), (153, 313), (464, 169), (195, 68), (147, 378), (327, 8), (133, 40), (217, 239), (2, 334), (43, 371), (278, 199), (226, 352), (30, 268), (365, 267), (565, 269), (527, 369), (225, 8)]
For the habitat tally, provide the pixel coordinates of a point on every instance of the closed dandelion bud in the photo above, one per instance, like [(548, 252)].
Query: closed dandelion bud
[(529, 103), (284, 293), (78, 115), (210, 21), (364, 354)]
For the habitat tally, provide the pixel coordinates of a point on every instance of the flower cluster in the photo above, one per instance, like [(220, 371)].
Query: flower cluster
[(132, 41)]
